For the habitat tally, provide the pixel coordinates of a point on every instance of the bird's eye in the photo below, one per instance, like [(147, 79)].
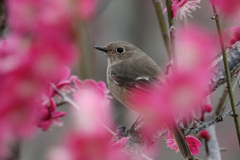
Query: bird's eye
[(120, 50)]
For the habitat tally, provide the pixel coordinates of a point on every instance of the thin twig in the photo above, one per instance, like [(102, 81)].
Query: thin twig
[(235, 116), (145, 156), (135, 124), (171, 27), (108, 129), (170, 13), (221, 103), (65, 97), (207, 124), (224, 98), (233, 88), (163, 26)]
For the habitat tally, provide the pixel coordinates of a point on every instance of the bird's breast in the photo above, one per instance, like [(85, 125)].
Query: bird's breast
[(118, 91)]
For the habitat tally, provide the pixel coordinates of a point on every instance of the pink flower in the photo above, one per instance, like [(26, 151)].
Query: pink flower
[(193, 143), (47, 55), (37, 45), (207, 108), (94, 88), (179, 97), (47, 113), (63, 82), (89, 146), (19, 91), (184, 8), (86, 9), (236, 34), (94, 104), (49, 116), (204, 134), (190, 54), (228, 7), (121, 143), (40, 16)]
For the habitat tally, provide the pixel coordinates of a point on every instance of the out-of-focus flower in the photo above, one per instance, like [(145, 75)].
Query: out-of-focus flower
[(49, 116), (48, 54), (62, 82), (228, 7), (184, 90), (193, 143), (39, 16), (236, 34), (19, 90), (94, 104), (191, 56), (204, 134), (89, 139), (89, 146), (179, 97), (121, 143), (39, 42), (207, 108), (49, 17), (184, 8), (86, 9)]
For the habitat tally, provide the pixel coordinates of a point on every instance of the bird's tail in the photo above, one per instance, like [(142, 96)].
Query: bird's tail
[(180, 140)]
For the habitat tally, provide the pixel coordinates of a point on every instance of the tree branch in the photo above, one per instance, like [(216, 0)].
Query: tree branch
[(163, 26), (235, 116), (210, 123)]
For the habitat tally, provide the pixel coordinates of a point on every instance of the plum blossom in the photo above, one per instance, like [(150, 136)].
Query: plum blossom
[(121, 143), (229, 8), (207, 108), (236, 34), (48, 115), (190, 55), (86, 9), (39, 16), (193, 143), (94, 104), (49, 17), (38, 43), (88, 139), (204, 134), (184, 8), (89, 146), (180, 96)]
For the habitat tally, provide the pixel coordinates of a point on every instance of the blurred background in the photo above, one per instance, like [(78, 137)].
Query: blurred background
[(134, 21)]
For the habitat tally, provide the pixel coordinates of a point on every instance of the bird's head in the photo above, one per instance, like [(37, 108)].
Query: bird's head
[(118, 51)]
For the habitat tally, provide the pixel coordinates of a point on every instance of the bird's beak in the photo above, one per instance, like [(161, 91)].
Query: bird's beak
[(101, 48)]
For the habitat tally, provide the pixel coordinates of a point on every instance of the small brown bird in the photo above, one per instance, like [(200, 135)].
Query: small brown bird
[(128, 68)]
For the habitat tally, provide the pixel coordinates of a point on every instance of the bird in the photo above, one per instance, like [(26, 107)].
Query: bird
[(130, 69)]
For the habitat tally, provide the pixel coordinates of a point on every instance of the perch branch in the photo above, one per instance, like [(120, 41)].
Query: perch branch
[(235, 116)]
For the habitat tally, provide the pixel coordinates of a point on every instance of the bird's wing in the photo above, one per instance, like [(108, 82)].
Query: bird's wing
[(130, 80), (139, 78)]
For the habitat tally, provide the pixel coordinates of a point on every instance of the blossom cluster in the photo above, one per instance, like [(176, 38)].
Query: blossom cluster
[(88, 138), (38, 46)]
